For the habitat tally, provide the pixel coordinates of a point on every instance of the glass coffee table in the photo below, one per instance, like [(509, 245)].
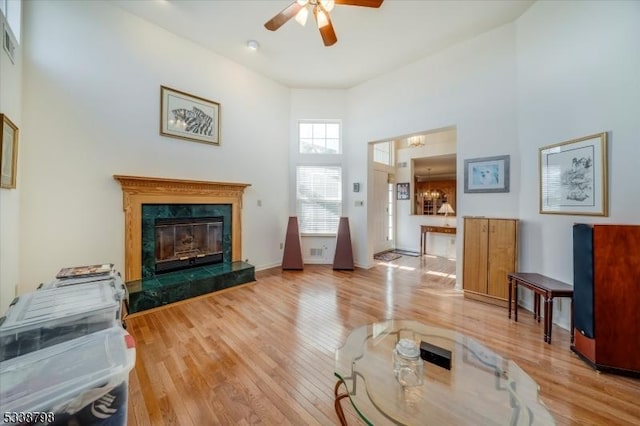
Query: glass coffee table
[(481, 388)]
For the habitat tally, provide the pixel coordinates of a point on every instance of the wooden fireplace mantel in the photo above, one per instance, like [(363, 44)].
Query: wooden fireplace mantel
[(138, 190)]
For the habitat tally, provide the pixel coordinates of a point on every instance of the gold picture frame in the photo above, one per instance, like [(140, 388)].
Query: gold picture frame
[(574, 177), (8, 153), (189, 117)]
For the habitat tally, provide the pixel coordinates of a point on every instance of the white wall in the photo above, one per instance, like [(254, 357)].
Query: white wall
[(471, 86), (318, 104), (91, 100), (11, 106), (578, 74)]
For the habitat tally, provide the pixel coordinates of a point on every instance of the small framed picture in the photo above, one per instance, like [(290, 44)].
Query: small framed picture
[(402, 191), (190, 117), (8, 153), (573, 177), (488, 174)]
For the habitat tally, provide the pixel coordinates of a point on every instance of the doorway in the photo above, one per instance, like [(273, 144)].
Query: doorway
[(383, 207), (424, 164)]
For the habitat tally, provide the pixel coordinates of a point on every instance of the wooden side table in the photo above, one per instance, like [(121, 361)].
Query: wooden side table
[(425, 229), (542, 286)]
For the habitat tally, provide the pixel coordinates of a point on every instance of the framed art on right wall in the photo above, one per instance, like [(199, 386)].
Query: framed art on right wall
[(573, 177)]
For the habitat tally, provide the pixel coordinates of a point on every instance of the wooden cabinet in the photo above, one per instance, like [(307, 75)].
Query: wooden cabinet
[(489, 254)]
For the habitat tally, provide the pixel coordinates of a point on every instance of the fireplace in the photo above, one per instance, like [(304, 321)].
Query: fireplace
[(186, 243), (174, 197), (170, 223)]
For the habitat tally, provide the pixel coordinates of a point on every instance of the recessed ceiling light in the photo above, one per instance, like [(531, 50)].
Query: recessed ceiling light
[(253, 45)]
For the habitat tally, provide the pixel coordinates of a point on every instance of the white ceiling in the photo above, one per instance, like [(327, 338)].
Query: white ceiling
[(370, 41)]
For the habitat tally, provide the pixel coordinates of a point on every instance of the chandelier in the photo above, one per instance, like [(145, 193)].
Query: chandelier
[(430, 194)]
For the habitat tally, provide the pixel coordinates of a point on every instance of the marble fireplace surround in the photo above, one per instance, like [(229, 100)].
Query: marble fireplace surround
[(138, 190)]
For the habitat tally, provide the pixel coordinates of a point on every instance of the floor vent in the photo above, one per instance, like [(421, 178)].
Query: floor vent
[(315, 252)]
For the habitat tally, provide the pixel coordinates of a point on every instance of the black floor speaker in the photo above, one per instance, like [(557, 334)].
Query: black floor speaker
[(583, 279)]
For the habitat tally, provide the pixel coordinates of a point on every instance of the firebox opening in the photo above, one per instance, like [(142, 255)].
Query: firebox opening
[(188, 242)]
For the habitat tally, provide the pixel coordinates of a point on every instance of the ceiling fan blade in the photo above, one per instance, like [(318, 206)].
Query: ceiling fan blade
[(363, 3), (281, 18), (328, 34)]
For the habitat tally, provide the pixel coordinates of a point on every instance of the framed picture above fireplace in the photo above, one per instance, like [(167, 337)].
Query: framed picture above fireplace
[(189, 117)]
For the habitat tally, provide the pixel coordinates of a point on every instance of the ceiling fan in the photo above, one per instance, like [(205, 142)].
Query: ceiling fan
[(320, 9)]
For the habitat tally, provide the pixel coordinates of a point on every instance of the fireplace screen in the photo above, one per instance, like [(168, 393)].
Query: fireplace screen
[(185, 243)]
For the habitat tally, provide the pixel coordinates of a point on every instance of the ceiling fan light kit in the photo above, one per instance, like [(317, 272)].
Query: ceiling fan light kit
[(301, 17), (321, 17), (299, 10)]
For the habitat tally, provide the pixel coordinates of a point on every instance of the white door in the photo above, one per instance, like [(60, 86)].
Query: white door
[(382, 212)]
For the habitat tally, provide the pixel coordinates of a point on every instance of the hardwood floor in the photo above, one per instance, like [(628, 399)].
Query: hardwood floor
[(264, 352)]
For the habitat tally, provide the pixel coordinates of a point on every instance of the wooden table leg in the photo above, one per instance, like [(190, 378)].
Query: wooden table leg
[(515, 296), (550, 321), (510, 295), (337, 405), (547, 318)]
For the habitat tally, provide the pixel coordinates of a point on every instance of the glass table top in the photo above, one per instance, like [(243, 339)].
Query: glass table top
[(482, 388)]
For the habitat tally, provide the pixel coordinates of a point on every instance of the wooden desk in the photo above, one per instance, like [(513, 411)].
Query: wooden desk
[(541, 286), (424, 229)]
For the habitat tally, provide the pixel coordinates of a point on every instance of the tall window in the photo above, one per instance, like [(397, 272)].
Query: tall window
[(319, 137), (318, 198), (319, 180)]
